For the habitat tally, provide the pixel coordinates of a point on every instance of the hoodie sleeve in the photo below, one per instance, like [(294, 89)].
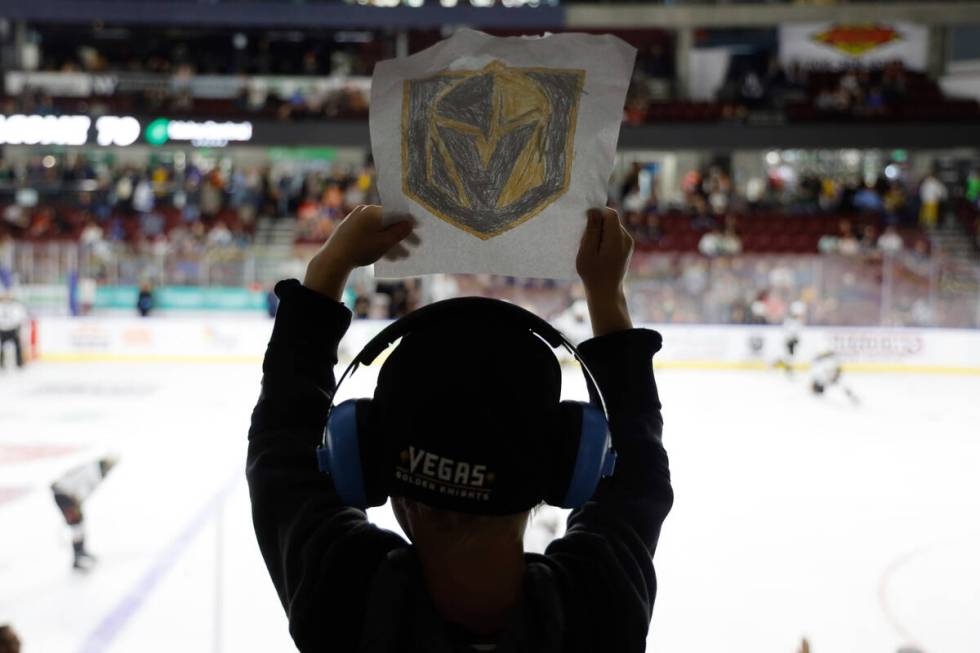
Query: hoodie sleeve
[(606, 553), (320, 553)]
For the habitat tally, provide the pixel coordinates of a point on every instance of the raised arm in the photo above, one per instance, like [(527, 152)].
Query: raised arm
[(605, 557), (320, 553), (639, 495)]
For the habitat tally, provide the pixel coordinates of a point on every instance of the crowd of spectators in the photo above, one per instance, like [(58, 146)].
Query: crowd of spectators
[(155, 73), (857, 92), (887, 216), (798, 93), (255, 99), (188, 214), (184, 215), (49, 198), (186, 53)]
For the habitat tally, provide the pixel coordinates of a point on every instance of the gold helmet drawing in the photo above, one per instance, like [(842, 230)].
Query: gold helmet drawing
[(486, 150)]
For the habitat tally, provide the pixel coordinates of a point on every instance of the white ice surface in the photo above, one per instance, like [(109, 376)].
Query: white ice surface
[(856, 527)]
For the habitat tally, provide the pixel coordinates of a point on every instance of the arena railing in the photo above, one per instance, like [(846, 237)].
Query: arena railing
[(890, 291)]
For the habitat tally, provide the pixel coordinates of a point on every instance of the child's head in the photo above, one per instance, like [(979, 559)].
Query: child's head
[(471, 412), (446, 532)]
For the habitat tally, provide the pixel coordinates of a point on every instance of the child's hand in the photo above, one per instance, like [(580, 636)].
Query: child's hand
[(360, 239), (602, 262)]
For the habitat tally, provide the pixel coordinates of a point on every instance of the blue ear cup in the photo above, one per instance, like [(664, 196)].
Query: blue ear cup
[(340, 454), (593, 455)]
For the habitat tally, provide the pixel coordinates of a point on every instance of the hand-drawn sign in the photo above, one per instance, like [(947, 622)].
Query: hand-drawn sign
[(486, 150)]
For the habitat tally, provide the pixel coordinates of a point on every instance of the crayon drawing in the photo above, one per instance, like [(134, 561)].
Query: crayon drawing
[(486, 150)]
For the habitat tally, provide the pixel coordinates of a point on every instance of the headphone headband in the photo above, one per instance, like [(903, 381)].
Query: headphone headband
[(471, 307), (456, 309)]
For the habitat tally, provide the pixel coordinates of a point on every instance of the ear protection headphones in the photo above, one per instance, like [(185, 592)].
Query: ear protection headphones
[(361, 479)]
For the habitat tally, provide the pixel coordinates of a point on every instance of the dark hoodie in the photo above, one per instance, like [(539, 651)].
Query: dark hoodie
[(347, 585)]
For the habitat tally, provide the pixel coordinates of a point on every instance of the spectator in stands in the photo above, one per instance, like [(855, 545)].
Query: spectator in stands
[(700, 213), (895, 202), (652, 233), (755, 192), (847, 244), (91, 235), (717, 187), (635, 224), (633, 200), (917, 259), (920, 249), (932, 193), (827, 244), (894, 83), (271, 302), (868, 200), (144, 301), (874, 102), (710, 243), (362, 307), (843, 242), (6, 258), (720, 243), (832, 102), (890, 242), (973, 188), (730, 244), (830, 194), (219, 235), (869, 239), (143, 200)]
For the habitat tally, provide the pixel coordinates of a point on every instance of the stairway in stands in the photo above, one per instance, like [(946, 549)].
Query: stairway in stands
[(953, 243), (274, 257)]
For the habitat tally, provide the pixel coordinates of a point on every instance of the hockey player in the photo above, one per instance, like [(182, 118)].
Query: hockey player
[(574, 321), (792, 327), (13, 317), (70, 490), (466, 434), (826, 372)]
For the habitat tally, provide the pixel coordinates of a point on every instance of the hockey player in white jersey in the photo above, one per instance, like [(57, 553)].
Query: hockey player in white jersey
[(70, 490), (826, 372), (792, 328), (574, 321)]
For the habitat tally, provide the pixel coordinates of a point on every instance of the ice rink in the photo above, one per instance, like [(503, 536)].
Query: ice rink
[(854, 526)]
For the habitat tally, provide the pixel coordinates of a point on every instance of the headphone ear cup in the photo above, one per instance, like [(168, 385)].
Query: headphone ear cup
[(345, 455), (583, 453)]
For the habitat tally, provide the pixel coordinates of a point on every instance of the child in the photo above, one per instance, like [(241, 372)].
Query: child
[(485, 391)]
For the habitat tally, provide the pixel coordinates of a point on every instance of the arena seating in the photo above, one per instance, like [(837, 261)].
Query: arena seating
[(766, 231)]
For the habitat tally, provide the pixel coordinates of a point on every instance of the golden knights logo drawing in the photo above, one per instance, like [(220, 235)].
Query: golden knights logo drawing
[(486, 150)]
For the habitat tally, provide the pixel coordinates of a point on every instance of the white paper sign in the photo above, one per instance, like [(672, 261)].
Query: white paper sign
[(498, 146)]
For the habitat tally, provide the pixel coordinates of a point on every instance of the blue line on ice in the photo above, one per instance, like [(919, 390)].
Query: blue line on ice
[(102, 636)]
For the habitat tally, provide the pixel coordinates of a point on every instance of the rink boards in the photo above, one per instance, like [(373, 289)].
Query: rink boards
[(243, 339)]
